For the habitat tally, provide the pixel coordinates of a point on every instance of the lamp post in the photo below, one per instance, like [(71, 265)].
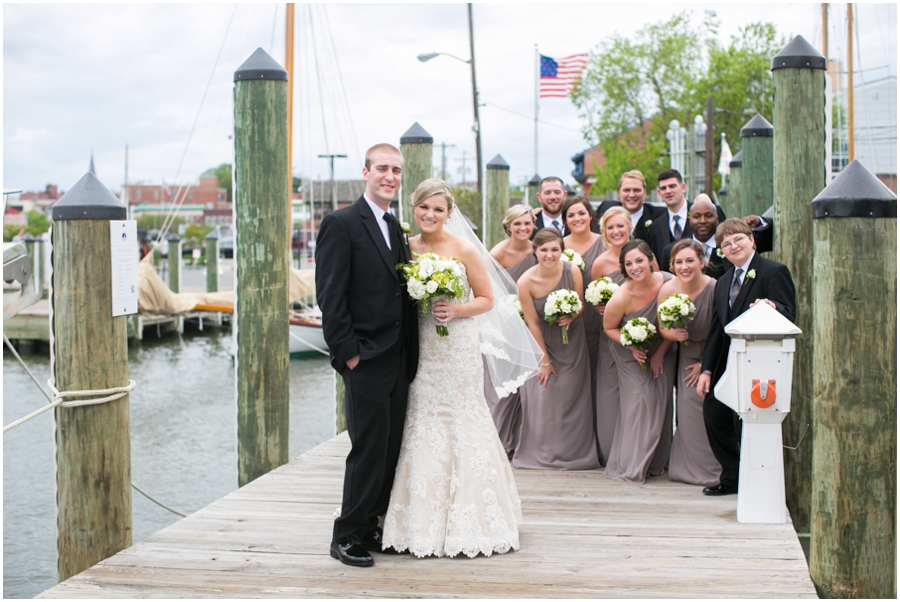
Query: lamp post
[(331, 158), (471, 62)]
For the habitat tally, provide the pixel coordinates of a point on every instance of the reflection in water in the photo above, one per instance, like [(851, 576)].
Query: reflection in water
[(183, 447)]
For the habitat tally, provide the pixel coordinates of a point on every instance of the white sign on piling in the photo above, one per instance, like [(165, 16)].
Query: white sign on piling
[(123, 245)]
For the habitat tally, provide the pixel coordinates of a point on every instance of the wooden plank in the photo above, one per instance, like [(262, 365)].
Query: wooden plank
[(582, 536)]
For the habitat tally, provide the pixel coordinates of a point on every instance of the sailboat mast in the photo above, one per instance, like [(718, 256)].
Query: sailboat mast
[(289, 67), (851, 135)]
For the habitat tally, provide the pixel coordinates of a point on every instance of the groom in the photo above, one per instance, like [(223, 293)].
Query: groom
[(372, 333)]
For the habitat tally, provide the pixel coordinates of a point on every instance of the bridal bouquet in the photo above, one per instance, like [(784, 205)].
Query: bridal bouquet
[(563, 302), (573, 257), (430, 277), (676, 310), (600, 291), (635, 333)]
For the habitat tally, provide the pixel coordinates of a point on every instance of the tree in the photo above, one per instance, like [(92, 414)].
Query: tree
[(223, 173), (38, 223), (469, 202), (155, 221), (632, 88)]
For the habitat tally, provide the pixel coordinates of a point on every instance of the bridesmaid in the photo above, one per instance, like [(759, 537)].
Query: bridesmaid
[(580, 219), (557, 417), (640, 447), (691, 459), (516, 255), (615, 228)]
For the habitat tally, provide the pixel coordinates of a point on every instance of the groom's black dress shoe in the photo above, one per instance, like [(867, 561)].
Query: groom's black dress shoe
[(719, 489), (351, 553), (373, 543)]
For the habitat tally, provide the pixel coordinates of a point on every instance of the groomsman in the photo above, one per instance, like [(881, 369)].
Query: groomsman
[(761, 225), (673, 224), (632, 193), (551, 194), (703, 220), (752, 279)]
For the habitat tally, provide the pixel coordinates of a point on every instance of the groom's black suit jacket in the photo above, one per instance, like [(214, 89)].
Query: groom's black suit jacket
[(359, 290)]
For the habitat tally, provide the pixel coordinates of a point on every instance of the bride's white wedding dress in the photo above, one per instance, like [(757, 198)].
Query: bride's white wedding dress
[(454, 490)]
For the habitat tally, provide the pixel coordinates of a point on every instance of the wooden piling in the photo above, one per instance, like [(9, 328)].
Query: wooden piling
[(416, 147), (757, 169), (212, 262), (854, 470), (89, 352), (496, 200), (798, 72), (34, 247), (731, 202), (262, 265), (175, 246), (532, 191)]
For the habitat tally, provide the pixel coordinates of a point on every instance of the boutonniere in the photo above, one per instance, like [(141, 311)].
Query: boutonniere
[(720, 253), (751, 274), (404, 226), (647, 223)]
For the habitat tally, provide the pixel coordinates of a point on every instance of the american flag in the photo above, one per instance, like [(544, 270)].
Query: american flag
[(558, 75)]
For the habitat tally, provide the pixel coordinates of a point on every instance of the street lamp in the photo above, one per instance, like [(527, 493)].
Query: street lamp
[(332, 157), (471, 62)]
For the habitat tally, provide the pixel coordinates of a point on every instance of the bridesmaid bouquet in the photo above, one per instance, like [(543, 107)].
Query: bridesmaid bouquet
[(562, 302), (513, 300), (573, 257), (676, 310), (635, 333), (600, 291), (431, 277)]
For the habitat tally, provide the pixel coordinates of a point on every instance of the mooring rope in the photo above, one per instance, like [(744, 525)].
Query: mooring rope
[(310, 345)]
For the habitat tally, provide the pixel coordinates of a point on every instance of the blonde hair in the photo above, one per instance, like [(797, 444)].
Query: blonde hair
[(610, 213), (634, 174), (432, 187), (514, 213)]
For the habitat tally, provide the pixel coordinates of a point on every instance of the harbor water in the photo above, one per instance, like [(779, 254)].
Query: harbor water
[(183, 441)]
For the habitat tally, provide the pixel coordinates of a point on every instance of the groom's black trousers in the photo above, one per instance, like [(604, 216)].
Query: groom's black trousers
[(375, 405)]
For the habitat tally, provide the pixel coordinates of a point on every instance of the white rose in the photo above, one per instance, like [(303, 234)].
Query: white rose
[(426, 268), (416, 289), (640, 333), (685, 310), (431, 287)]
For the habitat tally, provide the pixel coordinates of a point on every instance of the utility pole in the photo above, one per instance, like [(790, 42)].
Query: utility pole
[(331, 158), (710, 148), (444, 147), (851, 134), (462, 169)]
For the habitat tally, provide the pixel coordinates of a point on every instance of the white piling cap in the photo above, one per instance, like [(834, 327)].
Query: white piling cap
[(762, 322)]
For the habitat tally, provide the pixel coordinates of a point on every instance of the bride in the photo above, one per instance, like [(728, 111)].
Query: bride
[(454, 490)]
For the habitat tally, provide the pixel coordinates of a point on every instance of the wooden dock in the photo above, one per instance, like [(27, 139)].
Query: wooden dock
[(583, 536)]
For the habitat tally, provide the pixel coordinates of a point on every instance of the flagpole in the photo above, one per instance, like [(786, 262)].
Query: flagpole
[(537, 85)]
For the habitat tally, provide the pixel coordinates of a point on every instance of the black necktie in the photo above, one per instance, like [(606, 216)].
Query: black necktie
[(395, 239)]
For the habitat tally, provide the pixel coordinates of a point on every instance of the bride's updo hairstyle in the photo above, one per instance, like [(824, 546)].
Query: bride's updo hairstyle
[(544, 236), (432, 187), (631, 245)]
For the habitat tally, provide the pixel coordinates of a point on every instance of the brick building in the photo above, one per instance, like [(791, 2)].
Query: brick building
[(203, 203)]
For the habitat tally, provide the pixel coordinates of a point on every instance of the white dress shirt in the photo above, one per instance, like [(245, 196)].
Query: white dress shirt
[(745, 267), (379, 219), (708, 247), (682, 219), (636, 218)]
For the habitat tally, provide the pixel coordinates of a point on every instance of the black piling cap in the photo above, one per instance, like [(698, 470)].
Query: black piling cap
[(260, 66), (88, 199), (799, 54), (213, 235), (498, 162), (172, 237), (855, 192), (570, 191), (416, 134), (758, 126), (737, 160), (535, 180)]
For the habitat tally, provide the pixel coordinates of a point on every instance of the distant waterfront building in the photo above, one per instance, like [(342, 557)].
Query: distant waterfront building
[(202, 203)]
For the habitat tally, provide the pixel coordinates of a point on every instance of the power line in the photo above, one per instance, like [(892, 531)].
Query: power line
[(531, 117)]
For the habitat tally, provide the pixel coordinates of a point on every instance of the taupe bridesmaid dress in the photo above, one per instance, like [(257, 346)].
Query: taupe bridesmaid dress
[(593, 322), (607, 387), (557, 420), (643, 434), (507, 412), (691, 459)]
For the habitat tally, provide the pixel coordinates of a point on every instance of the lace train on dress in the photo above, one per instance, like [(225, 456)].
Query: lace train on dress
[(454, 491)]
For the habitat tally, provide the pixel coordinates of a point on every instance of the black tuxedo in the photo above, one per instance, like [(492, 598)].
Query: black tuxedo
[(539, 224), (772, 281), (641, 230), (715, 267), (660, 235), (366, 312)]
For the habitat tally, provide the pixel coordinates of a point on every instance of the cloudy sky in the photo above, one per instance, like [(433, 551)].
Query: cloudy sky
[(82, 78)]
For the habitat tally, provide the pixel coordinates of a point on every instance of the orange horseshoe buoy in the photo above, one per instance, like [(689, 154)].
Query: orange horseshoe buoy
[(765, 397)]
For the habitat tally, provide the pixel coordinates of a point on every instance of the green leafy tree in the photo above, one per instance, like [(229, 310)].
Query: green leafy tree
[(38, 223), (154, 221), (632, 88), (223, 173), (469, 202), (195, 235)]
